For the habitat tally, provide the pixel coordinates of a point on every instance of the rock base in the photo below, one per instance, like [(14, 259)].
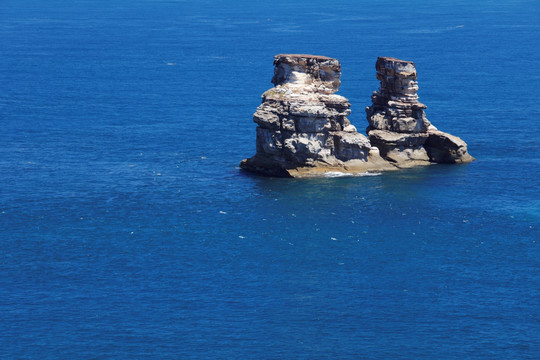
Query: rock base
[(265, 166)]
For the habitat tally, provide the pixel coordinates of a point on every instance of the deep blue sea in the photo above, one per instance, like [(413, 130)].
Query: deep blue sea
[(127, 230)]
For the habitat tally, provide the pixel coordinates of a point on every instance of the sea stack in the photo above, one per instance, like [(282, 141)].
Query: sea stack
[(303, 128), (398, 126)]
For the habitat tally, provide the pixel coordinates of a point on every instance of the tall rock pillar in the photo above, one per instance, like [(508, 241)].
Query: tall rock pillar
[(302, 123)]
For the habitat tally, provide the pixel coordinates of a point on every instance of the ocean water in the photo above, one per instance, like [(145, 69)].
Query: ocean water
[(127, 230)]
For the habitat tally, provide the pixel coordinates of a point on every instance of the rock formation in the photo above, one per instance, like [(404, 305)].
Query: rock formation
[(398, 126), (303, 128), (303, 125)]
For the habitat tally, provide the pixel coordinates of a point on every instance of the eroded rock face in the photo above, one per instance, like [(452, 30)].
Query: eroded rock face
[(403, 150), (398, 125), (302, 122), (445, 148)]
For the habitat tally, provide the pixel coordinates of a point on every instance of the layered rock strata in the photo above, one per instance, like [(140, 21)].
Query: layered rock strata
[(302, 124), (398, 126), (303, 130)]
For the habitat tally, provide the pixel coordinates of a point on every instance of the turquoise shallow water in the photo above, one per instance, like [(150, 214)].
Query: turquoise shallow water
[(127, 230)]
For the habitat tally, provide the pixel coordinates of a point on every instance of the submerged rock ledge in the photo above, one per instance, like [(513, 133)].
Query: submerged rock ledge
[(303, 130)]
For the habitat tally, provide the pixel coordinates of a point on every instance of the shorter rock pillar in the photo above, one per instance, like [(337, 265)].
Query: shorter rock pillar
[(398, 125)]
